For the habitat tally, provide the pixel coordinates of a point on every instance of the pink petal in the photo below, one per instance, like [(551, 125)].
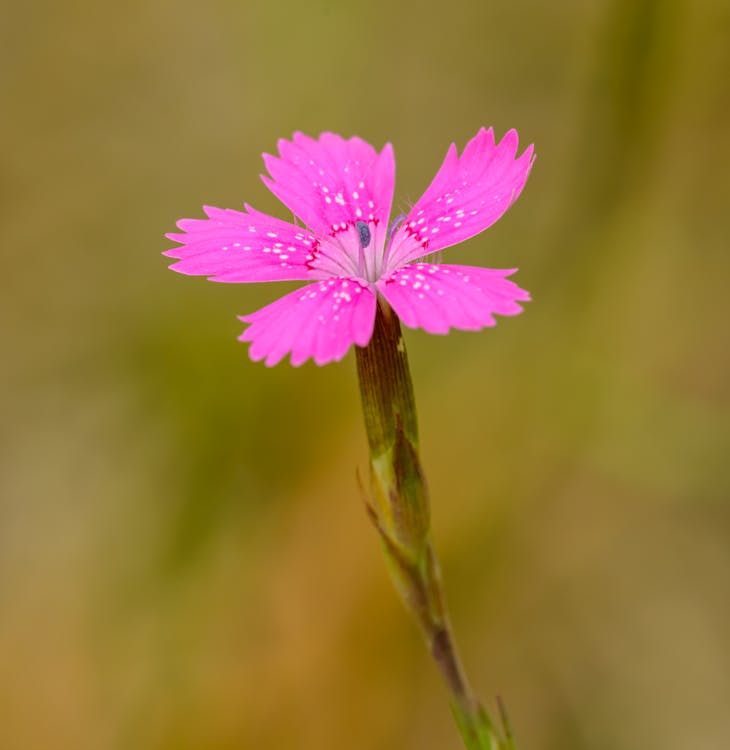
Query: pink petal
[(332, 180), (236, 246), (439, 297), (321, 321), (469, 193)]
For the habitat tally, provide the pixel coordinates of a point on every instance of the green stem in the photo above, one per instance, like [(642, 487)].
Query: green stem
[(398, 506)]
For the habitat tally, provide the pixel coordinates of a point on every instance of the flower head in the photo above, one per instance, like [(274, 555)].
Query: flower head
[(342, 190)]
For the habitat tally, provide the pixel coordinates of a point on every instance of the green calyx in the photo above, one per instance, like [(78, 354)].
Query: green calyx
[(398, 494)]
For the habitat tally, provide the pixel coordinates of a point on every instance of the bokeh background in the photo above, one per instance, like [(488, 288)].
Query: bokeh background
[(184, 560)]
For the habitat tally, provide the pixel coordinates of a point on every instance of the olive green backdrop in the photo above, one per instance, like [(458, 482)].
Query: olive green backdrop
[(184, 560)]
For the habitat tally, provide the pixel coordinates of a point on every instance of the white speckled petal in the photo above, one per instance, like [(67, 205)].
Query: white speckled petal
[(332, 181), (469, 193), (320, 321), (236, 246), (439, 297)]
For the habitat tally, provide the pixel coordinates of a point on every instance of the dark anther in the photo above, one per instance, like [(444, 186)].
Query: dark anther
[(364, 232)]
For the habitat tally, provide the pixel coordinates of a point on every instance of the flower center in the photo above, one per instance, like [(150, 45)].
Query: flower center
[(353, 249), (365, 250)]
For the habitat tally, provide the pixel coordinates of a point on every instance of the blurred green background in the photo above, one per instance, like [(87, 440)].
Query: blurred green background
[(184, 559)]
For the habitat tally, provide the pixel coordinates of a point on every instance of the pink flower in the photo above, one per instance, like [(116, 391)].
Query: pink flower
[(342, 191)]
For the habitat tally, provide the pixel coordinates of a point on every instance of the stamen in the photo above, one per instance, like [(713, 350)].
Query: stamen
[(394, 225), (363, 231), (389, 237)]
